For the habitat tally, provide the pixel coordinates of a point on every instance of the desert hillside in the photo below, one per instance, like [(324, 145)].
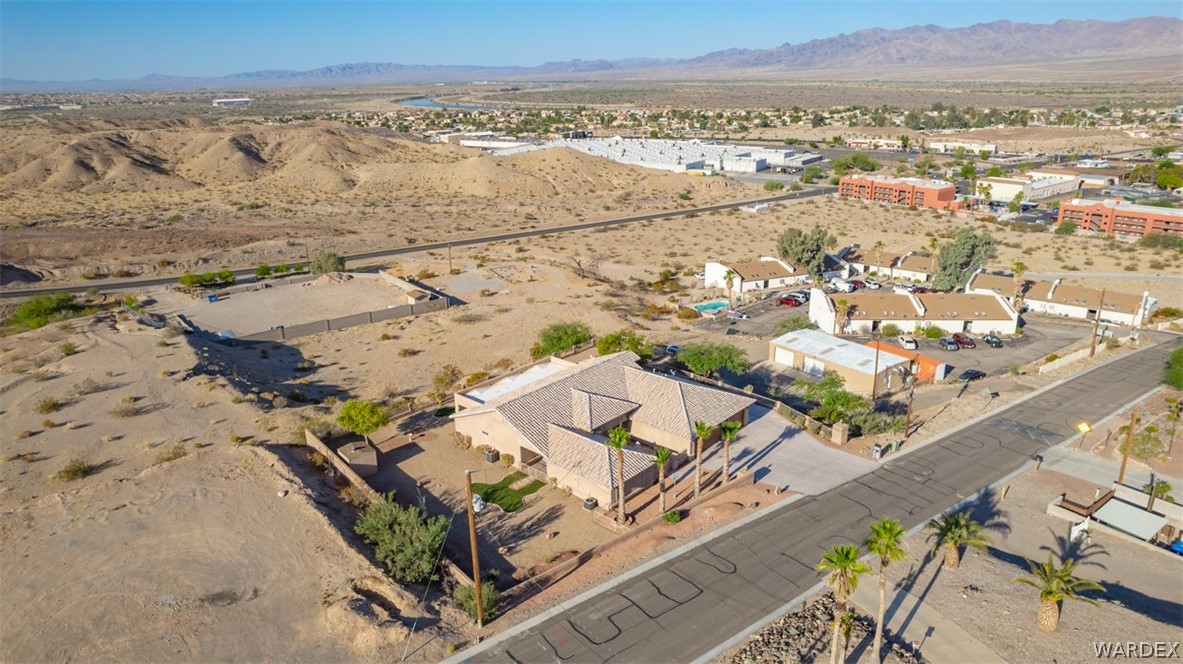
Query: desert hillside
[(87, 198)]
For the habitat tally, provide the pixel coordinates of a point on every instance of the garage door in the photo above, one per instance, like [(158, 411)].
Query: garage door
[(784, 357), (813, 367)]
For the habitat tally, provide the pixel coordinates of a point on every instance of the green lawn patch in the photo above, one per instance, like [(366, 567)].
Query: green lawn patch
[(500, 494)]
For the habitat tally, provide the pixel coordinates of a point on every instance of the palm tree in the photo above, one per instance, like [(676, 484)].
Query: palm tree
[(661, 457), (878, 256), (886, 541), (730, 430), (933, 242), (955, 530), (1019, 268), (617, 440), (702, 431), (842, 568), (730, 276), (1055, 585), (843, 309)]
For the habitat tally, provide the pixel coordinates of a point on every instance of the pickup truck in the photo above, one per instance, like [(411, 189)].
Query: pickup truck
[(842, 286)]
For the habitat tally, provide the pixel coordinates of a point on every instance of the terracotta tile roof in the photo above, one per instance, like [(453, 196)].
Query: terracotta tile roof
[(614, 385), (587, 455)]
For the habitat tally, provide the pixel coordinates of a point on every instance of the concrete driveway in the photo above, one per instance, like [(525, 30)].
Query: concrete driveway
[(782, 454)]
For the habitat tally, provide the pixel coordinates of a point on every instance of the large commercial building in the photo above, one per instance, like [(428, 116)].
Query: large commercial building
[(1032, 187), (925, 193), (1116, 217)]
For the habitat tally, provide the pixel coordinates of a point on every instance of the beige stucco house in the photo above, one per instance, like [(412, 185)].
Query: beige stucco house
[(554, 416)]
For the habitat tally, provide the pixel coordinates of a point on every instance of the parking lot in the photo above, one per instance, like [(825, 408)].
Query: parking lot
[(1041, 337)]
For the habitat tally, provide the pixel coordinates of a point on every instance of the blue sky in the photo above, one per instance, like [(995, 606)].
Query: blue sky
[(50, 40)]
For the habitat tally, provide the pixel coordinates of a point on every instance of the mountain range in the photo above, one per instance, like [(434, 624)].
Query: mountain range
[(1141, 50)]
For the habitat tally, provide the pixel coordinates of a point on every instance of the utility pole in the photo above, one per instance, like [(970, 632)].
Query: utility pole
[(476, 559), (1129, 441), (449, 258), (875, 373), (1097, 324), (911, 395)]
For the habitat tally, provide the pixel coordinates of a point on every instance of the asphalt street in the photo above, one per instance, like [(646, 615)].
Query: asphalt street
[(118, 285), (682, 609)]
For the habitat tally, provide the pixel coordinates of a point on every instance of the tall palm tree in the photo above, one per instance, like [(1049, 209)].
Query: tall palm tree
[(1055, 585), (617, 440), (1019, 268), (955, 530), (842, 568), (702, 431), (730, 276), (878, 256), (730, 430), (843, 309), (661, 457), (886, 541)]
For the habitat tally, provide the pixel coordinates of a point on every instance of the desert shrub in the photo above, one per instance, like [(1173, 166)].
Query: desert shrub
[(773, 185), (125, 410), (933, 332), (351, 495), (405, 540), (470, 317), (490, 599), (475, 378), (41, 375), (687, 313), (506, 459), (48, 424), (672, 516), (1166, 313), (1112, 343), (41, 310), (890, 330), (327, 261), (49, 405), (1051, 358), (1173, 374), (1147, 446), (171, 454), (793, 324), (425, 274), (407, 352), (305, 365), (75, 469)]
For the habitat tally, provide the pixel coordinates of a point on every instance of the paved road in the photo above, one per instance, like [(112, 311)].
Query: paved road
[(132, 284), (684, 608)]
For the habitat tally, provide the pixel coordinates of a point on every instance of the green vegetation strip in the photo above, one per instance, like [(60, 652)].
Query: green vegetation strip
[(500, 494)]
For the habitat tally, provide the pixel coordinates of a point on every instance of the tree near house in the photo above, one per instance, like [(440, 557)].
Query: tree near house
[(405, 539), (362, 417), (729, 431), (706, 359), (805, 251), (959, 259), (1019, 268), (702, 431), (954, 530), (842, 567), (560, 337), (618, 440), (263, 271), (887, 542), (623, 340), (661, 458), (878, 256), (1056, 584), (985, 190), (730, 277), (1016, 203), (327, 261)]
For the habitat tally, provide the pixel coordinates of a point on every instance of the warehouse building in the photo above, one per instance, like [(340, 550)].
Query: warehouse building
[(864, 370)]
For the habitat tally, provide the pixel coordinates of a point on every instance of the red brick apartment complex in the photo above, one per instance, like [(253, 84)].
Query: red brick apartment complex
[(1121, 218), (925, 193)]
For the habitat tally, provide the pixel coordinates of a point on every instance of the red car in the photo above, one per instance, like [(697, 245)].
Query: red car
[(858, 285), (790, 301), (964, 340)]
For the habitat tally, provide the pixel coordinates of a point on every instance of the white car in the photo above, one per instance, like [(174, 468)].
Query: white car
[(701, 276), (908, 343), (872, 284), (738, 315)]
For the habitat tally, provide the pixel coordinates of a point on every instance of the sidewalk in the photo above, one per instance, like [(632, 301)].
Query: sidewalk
[(940, 640), (1103, 472)]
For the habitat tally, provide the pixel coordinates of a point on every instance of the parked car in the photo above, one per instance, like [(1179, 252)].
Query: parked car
[(842, 285), (971, 374), (947, 344), (858, 285), (672, 350), (907, 342), (872, 284), (802, 295), (964, 340), (701, 276), (790, 301), (737, 315), (992, 340)]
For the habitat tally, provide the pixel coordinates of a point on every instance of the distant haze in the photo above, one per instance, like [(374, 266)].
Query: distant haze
[(1139, 50)]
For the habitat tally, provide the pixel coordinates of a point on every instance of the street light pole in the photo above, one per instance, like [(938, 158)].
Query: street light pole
[(1097, 323), (1129, 441), (476, 560), (875, 373)]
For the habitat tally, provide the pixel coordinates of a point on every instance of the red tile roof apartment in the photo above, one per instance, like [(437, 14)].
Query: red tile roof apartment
[(926, 193), (1121, 218)]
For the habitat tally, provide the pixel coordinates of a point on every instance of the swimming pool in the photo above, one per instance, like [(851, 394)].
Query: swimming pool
[(711, 307)]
